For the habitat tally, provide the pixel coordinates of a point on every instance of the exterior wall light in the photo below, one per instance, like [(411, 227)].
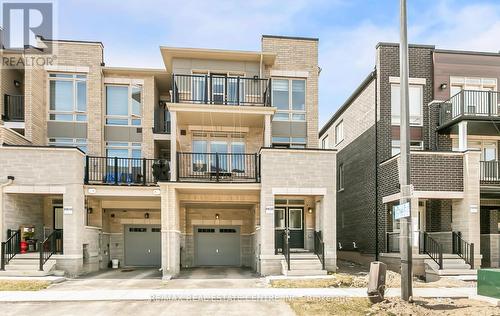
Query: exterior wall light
[(17, 83), (443, 86), (310, 210), (217, 216), (146, 215)]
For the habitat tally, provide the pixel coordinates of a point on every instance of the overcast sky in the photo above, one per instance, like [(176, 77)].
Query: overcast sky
[(132, 31)]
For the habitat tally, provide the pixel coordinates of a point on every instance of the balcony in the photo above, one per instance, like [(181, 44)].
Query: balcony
[(490, 172), (471, 105), (125, 171), (219, 89), (218, 167), (13, 108)]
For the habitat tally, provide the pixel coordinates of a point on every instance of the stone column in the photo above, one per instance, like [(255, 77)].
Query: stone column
[(329, 229), (462, 136), (465, 212), (415, 237), (73, 229), (170, 231), (267, 131), (173, 146)]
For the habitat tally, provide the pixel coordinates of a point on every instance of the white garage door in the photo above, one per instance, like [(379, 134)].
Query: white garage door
[(142, 245), (217, 246)]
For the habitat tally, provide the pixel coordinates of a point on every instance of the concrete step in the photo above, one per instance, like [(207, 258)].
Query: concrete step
[(306, 255), (28, 255), (23, 261), (298, 266), (25, 267), (27, 273), (307, 272)]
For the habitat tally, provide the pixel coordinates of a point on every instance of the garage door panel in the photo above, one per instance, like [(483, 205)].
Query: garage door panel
[(142, 244), (216, 246)]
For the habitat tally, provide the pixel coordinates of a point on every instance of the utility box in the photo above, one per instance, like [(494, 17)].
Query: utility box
[(488, 282), (376, 281)]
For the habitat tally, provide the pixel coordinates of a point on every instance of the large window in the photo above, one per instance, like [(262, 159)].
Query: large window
[(80, 143), (123, 150), (340, 180), (416, 104), (123, 105), (289, 97), (67, 97), (488, 148), (414, 145), (324, 142), (230, 150)]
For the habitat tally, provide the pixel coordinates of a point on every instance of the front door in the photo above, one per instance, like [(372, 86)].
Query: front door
[(291, 219)]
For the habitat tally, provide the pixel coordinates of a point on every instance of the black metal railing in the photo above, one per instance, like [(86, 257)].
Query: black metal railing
[(286, 248), (392, 241), (469, 103), (220, 89), (126, 171), (431, 247), (51, 245), (13, 108), (162, 120), (462, 248), (10, 247), (490, 171), (218, 167), (319, 248)]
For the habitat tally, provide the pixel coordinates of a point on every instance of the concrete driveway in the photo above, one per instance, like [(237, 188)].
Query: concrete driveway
[(254, 308), (148, 278)]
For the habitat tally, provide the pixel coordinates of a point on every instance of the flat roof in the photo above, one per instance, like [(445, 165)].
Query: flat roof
[(293, 37), (168, 53)]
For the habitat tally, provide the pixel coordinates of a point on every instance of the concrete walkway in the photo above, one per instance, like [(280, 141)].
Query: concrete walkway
[(264, 294)]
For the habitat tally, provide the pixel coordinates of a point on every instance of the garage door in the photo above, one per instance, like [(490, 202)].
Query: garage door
[(142, 245), (217, 246)]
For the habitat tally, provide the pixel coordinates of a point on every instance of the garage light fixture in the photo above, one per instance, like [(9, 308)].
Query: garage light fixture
[(146, 215), (443, 86), (310, 210), (217, 216)]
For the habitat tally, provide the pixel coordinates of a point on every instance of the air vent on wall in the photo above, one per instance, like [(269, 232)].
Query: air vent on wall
[(183, 132), (139, 130)]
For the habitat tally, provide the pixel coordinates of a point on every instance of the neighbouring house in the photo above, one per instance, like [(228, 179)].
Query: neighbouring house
[(213, 160), (455, 138)]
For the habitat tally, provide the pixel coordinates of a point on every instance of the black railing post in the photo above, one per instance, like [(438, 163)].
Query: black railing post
[(86, 169), (238, 90), (144, 171), (116, 170), (40, 245), (270, 92), (2, 259), (440, 249), (256, 162), (205, 92), (210, 97), (225, 90), (177, 166), (472, 255), (217, 167)]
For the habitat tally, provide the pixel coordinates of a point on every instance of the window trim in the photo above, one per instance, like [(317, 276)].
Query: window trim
[(75, 112), (130, 147), (340, 178), (341, 124), (421, 115), (130, 117), (74, 142)]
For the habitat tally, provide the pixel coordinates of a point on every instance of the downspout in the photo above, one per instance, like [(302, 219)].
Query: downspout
[(376, 168), (10, 179)]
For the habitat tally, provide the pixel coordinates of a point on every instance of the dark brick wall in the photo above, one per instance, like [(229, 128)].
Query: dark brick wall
[(388, 171), (489, 218), (435, 172), (438, 216), (420, 66), (356, 203), (437, 141)]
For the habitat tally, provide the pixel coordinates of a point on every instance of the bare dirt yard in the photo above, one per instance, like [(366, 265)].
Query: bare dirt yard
[(354, 275), (392, 306)]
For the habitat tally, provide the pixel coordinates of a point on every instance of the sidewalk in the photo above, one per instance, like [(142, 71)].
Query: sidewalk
[(216, 294)]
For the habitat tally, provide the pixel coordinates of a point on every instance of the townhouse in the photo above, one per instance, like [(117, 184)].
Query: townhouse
[(213, 160), (454, 161)]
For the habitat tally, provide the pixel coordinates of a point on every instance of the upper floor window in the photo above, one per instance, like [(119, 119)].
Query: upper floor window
[(289, 142), (324, 142), (289, 97), (123, 105), (67, 97), (80, 143), (339, 132), (416, 96), (414, 145), (123, 150), (340, 179)]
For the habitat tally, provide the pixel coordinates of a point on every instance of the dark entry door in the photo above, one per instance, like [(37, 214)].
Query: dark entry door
[(291, 218)]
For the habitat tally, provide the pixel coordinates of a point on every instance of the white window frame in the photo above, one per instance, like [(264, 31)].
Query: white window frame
[(340, 178), (339, 132), (130, 146), (396, 143), (75, 78), (324, 142), (290, 110), (396, 121), (292, 142), (131, 116)]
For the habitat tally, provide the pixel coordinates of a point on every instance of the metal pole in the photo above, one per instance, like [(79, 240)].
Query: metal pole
[(405, 235)]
